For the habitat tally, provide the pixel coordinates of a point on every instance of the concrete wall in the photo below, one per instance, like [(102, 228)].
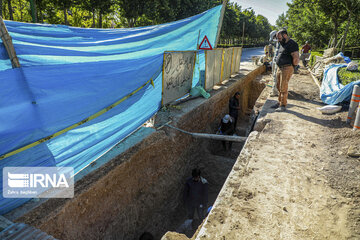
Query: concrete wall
[(139, 190)]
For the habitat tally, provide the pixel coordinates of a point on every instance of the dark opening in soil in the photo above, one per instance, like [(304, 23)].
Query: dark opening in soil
[(215, 164)]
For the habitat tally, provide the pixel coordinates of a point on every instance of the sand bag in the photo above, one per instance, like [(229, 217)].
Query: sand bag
[(330, 109), (199, 91), (352, 66)]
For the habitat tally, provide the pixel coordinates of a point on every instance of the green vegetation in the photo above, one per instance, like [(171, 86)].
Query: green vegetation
[(104, 13), (317, 21), (346, 76), (313, 57), (257, 27), (137, 13)]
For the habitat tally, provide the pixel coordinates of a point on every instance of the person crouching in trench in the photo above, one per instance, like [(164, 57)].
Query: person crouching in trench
[(227, 127)]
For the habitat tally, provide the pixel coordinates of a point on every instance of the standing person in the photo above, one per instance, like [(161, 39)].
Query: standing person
[(273, 39), (269, 54), (227, 128), (305, 53), (287, 60), (196, 195), (234, 107)]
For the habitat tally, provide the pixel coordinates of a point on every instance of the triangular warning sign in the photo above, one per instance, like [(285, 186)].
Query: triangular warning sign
[(205, 44)]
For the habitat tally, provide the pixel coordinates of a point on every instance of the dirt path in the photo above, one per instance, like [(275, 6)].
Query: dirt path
[(294, 179)]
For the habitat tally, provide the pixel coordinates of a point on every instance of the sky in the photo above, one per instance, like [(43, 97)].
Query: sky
[(270, 9)]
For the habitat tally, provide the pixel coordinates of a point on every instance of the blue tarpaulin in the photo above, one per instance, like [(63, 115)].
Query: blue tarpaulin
[(331, 90), (69, 74)]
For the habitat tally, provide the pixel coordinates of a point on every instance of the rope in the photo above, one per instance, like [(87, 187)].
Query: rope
[(99, 113)]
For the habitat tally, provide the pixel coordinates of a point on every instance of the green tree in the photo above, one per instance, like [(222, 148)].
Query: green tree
[(282, 21), (132, 10), (305, 21), (353, 8), (10, 9), (333, 10), (90, 6), (64, 5)]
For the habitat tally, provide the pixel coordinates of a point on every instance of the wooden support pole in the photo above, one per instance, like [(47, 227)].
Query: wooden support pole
[(7, 41), (220, 22)]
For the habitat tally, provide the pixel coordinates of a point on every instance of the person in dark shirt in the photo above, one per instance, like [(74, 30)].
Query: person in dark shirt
[(227, 128), (287, 60), (234, 107), (196, 195)]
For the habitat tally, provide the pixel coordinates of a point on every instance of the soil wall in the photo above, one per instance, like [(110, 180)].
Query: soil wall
[(140, 189)]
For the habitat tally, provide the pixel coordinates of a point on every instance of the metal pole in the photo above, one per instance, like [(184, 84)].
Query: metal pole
[(197, 45), (243, 34)]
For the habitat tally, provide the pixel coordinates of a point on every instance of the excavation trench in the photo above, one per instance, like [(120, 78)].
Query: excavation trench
[(141, 189)]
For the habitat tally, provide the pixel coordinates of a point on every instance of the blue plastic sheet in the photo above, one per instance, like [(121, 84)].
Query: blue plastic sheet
[(331, 90), (346, 59), (72, 73)]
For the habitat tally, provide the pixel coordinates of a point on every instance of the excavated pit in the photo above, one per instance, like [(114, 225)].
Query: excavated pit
[(141, 189)]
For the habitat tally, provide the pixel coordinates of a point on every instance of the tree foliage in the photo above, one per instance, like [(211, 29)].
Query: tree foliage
[(135, 13), (318, 21), (239, 24)]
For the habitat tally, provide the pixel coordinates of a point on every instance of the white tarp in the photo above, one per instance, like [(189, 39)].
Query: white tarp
[(178, 68)]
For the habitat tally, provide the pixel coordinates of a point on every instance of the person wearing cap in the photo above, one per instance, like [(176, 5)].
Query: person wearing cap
[(234, 107), (305, 53), (287, 60), (196, 195), (227, 128)]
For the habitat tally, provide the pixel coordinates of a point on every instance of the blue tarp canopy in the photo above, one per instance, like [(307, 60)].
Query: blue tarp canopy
[(72, 73), (331, 90)]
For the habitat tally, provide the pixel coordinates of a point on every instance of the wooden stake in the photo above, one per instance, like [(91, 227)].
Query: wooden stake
[(7, 41), (220, 22)]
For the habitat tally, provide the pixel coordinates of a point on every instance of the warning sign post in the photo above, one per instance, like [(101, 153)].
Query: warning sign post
[(205, 44)]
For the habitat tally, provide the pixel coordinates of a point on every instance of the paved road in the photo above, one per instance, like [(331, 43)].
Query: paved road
[(247, 53)]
